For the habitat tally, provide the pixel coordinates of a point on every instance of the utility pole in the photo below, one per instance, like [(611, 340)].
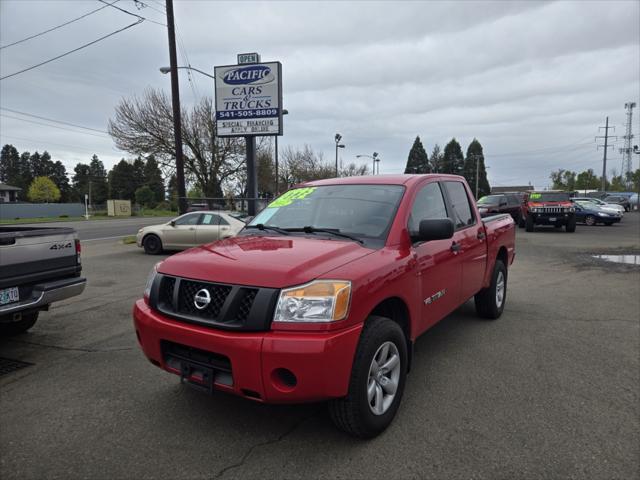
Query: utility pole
[(252, 175), (175, 100), (604, 157), (627, 165)]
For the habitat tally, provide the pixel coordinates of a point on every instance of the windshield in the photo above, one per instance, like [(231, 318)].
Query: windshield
[(363, 211), (490, 200), (549, 197)]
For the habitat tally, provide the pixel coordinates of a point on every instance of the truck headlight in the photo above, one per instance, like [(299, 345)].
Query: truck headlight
[(318, 301), (150, 278)]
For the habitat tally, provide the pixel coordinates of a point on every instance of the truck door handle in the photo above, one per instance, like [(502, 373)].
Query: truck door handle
[(455, 247), (481, 235)]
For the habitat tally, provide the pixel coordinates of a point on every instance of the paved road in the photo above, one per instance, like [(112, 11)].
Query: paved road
[(550, 390), (105, 229)]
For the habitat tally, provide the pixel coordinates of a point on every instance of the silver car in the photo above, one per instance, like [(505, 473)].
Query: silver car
[(188, 230)]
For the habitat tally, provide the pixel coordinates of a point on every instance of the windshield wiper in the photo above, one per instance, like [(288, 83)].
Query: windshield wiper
[(332, 231), (262, 227)]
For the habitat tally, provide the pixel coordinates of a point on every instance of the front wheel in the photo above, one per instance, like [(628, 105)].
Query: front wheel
[(529, 223), (152, 245), (377, 380), (490, 301), (590, 220), (26, 321)]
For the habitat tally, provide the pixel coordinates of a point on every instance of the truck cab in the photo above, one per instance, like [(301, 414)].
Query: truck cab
[(323, 294)]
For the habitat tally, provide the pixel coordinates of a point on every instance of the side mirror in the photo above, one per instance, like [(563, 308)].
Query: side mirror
[(439, 229), (172, 223)]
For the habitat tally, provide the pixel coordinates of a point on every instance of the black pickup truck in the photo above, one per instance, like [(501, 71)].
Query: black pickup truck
[(38, 266)]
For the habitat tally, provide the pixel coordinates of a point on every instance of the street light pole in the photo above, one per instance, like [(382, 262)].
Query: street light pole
[(337, 138), (375, 159), (175, 100)]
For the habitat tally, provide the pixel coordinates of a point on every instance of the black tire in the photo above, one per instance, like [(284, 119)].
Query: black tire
[(570, 227), (487, 304), (590, 220), (353, 414), (152, 244), (27, 321), (529, 223)]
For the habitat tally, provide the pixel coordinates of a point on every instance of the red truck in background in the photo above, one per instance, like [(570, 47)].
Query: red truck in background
[(548, 207), (323, 294)]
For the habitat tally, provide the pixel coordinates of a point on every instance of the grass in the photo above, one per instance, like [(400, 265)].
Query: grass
[(98, 216), (129, 240)]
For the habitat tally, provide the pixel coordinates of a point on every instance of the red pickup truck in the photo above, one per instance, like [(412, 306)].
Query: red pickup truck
[(323, 294)]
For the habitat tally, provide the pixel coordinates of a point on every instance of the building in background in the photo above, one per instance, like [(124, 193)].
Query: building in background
[(8, 193), (516, 188)]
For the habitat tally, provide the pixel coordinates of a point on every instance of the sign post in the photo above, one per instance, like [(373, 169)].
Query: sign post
[(249, 104)]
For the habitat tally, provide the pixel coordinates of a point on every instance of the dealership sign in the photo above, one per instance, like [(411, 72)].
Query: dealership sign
[(249, 100)]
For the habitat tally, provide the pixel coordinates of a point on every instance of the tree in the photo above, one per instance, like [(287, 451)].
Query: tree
[(302, 165), (354, 170), (144, 126), (475, 155), (80, 181), (418, 162), (99, 187), (122, 184), (588, 180), (153, 178), (11, 167), (266, 174), (452, 160), (563, 179), (144, 196), (436, 158), (43, 189), (58, 173)]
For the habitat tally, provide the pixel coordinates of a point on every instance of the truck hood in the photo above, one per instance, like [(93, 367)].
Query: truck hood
[(263, 261)]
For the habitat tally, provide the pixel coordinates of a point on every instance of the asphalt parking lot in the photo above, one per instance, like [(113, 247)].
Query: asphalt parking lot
[(550, 390)]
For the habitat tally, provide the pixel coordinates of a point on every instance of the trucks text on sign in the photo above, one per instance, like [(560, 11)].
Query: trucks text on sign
[(249, 100)]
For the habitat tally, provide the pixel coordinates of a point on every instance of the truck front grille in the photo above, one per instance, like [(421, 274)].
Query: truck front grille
[(234, 307)]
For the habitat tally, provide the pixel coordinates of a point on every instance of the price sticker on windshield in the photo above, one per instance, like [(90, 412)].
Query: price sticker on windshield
[(534, 196), (291, 196)]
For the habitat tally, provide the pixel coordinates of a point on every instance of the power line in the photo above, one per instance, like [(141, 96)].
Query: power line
[(47, 142), (58, 26), (52, 120), (133, 14), (74, 50), (51, 126)]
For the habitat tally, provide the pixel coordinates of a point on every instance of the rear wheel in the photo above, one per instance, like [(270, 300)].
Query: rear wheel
[(590, 220), (529, 223), (490, 301), (152, 245), (377, 380), (26, 321)]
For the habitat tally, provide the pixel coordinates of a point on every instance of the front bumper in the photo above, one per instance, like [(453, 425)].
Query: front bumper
[(559, 218), (44, 294), (319, 362)]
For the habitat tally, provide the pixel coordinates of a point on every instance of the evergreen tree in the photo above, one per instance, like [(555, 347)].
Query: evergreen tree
[(153, 178), (80, 181), (99, 187), (10, 166), (436, 159), (452, 160), (475, 154), (59, 176), (418, 162), (122, 184)]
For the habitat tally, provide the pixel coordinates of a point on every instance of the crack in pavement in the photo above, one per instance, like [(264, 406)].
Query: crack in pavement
[(280, 437), (73, 349)]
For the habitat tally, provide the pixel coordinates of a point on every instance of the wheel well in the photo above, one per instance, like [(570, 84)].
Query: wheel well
[(151, 234), (396, 309)]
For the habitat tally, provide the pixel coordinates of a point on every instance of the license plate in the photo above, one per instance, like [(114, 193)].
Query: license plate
[(9, 295), (552, 219)]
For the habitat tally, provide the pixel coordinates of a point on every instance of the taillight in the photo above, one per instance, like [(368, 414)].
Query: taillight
[(78, 250)]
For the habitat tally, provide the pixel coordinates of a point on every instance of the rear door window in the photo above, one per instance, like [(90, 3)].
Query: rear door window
[(460, 211)]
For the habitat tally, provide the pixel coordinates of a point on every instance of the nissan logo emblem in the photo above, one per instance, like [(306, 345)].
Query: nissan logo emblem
[(201, 299)]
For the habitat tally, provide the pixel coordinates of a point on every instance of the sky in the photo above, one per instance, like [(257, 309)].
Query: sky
[(532, 81)]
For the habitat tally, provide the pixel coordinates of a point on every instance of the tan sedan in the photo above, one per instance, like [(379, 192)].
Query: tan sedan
[(187, 231)]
